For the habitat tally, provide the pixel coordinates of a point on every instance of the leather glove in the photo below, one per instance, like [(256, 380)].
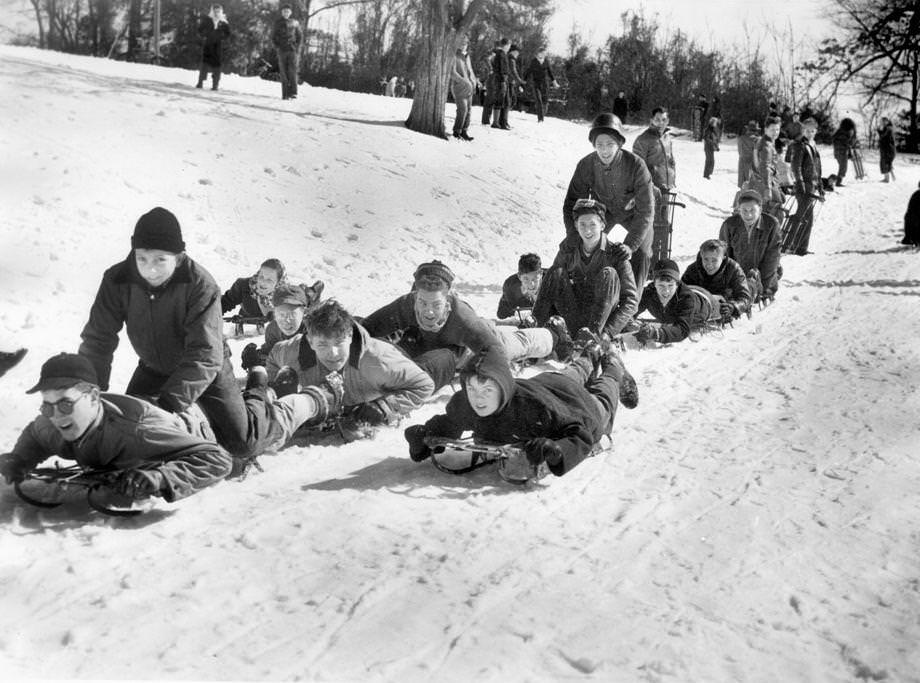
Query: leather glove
[(373, 412), (542, 449), (728, 309), (12, 469), (415, 435), (647, 332), (621, 251), (139, 483), (250, 357)]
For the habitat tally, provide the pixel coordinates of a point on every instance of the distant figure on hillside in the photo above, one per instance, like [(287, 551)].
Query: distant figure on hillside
[(462, 84), (747, 141), (621, 106), (763, 174), (654, 147), (213, 29), (844, 142), (516, 82), (621, 182), (539, 73), (500, 85), (700, 112), (710, 146), (287, 37), (391, 86), (519, 292), (806, 169), (912, 220), (886, 149), (485, 85)]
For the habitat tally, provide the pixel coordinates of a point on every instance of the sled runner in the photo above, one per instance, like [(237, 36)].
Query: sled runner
[(858, 167), (794, 234), (240, 322), (663, 231), (459, 456), (50, 487)]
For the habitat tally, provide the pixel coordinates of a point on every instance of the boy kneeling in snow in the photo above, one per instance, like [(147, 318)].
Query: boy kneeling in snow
[(558, 417), (156, 453)]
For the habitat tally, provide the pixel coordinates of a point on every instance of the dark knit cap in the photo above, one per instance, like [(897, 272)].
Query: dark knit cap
[(63, 371), (158, 229), (591, 206), (434, 269), (668, 268)]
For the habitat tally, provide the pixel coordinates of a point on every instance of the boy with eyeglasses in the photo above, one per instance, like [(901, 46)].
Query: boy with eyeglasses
[(157, 453)]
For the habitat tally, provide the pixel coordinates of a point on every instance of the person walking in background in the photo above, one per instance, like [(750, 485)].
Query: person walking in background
[(886, 149), (213, 29), (287, 38), (462, 83), (516, 81), (844, 141), (620, 106), (654, 147), (500, 85), (710, 146), (539, 74), (746, 143)]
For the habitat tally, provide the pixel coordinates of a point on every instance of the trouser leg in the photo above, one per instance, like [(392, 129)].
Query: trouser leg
[(606, 296), (605, 389), (440, 364), (534, 342), (538, 104), (640, 262)]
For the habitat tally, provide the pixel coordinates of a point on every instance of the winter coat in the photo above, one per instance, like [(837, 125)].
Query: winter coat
[(620, 108), (912, 220), (498, 88), (746, 144), (375, 370), (806, 166), (175, 329), (792, 130), (539, 73), (513, 297), (463, 329), (584, 272), (549, 405), (240, 294), (461, 77), (624, 187), (133, 433), (761, 250), (763, 172), (844, 141), (711, 137), (212, 37), (886, 148), (515, 71), (728, 281), (654, 148), (287, 35), (683, 313)]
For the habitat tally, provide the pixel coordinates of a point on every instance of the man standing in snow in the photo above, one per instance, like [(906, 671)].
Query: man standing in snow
[(213, 29), (621, 106), (653, 146), (753, 241), (287, 37), (156, 453), (763, 176), (516, 82), (462, 84), (621, 182), (539, 72), (806, 170), (500, 84), (436, 329)]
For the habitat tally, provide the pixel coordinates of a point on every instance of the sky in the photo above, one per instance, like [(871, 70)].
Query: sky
[(712, 23)]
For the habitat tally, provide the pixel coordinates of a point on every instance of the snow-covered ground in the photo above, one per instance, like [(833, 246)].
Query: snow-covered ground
[(758, 518)]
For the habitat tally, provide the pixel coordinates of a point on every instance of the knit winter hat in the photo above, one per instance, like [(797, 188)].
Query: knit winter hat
[(589, 206), (64, 371), (158, 229), (434, 269), (667, 268)]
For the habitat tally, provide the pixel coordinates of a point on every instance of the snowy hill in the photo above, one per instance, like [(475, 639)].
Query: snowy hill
[(757, 520)]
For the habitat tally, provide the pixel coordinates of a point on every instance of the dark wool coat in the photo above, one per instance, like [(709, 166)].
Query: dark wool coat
[(549, 405), (886, 148), (624, 187), (513, 297), (912, 220), (728, 281), (240, 294), (620, 108), (760, 251), (212, 38), (176, 329), (806, 166), (499, 93), (683, 312), (463, 329), (134, 433), (541, 73), (654, 148), (844, 141), (287, 35)]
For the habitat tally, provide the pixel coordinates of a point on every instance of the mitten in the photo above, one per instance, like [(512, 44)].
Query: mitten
[(250, 357), (12, 469), (373, 412), (418, 449), (138, 483), (647, 333), (620, 251), (542, 449)]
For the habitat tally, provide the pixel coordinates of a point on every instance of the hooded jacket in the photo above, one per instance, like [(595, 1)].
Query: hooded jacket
[(550, 405), (132, 433), (375, 370), (681, 314), (728, 281), (654, 148), (175, 329), (624, 187), (761, 250)]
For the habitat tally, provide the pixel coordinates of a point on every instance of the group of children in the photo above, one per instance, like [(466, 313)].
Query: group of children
[(185, 423)]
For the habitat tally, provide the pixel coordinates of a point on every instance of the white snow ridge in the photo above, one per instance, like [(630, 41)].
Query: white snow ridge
[(757, 519)]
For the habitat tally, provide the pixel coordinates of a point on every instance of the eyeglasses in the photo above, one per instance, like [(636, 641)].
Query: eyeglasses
[(64, 406)]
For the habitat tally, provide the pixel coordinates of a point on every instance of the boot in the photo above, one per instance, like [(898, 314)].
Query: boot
[(629, 390), (562, 340), (328, 396), (465, 136)]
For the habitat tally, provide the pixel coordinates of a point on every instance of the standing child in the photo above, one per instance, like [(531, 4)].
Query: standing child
[(213, 29), (886, 149)]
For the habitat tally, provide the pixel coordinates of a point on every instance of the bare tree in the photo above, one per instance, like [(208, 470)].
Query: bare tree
[(442, 23)]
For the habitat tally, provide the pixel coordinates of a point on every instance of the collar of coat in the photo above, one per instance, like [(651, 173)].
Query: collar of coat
[(127, 272), (306, 356)]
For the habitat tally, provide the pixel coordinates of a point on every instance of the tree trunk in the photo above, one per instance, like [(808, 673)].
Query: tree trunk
[(913, 143), (442, 21), (41, 24)]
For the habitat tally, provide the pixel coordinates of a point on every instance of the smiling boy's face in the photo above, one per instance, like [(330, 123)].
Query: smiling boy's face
[(85, 408), (484, 395)]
